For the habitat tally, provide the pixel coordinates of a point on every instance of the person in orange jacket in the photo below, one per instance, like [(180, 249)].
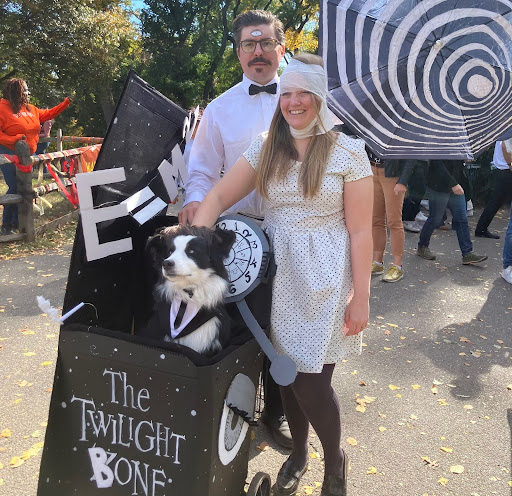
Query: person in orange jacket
[(19, 121)]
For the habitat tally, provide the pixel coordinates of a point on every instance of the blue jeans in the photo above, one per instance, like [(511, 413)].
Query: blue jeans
[(10, 215), (438, 202), (507, 249)]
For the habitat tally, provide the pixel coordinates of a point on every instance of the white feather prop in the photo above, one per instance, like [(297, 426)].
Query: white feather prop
[(45, 307)]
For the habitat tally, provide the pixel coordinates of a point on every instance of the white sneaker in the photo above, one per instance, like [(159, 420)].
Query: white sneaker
[(469, 208), (411, 226), (507, 274), (420, 217), (424, 204)]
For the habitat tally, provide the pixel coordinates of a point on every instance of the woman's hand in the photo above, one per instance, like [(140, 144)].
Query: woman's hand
[(356, 316)]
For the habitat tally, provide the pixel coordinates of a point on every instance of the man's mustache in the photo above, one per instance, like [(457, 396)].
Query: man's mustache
[(259, 60)]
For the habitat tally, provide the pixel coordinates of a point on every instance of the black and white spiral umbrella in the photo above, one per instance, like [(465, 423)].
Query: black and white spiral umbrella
[(420, 78)]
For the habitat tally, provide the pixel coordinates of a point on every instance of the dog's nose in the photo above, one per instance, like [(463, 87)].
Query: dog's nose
[(168, 264)]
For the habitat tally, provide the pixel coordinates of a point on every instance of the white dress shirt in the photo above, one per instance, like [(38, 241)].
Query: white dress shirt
[(228, 126), (498, 158)]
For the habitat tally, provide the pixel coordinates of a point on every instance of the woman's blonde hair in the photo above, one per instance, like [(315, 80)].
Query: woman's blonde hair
[(278, 152)]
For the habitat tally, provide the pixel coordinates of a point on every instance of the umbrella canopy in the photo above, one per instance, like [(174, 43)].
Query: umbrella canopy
[(420, 78)]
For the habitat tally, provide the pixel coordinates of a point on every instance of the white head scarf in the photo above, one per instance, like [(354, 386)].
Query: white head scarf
[(310, 77)]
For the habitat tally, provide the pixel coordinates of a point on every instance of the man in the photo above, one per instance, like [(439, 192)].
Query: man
[(444, 190), (501, 195), (229, 124)]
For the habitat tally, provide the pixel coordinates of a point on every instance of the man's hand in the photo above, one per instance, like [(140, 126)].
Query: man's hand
[(186, 214), (399, 188), (457, 190)]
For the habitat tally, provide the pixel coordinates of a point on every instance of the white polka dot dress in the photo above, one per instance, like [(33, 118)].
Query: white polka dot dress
[(311, 245)]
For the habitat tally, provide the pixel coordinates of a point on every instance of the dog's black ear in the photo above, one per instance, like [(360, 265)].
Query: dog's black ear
[(156, 247), (223, 240)]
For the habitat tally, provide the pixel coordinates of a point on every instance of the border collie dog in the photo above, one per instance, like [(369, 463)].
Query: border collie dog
[(189, 295)]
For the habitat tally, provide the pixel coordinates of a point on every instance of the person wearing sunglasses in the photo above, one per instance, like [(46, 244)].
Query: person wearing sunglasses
[(228, 126)]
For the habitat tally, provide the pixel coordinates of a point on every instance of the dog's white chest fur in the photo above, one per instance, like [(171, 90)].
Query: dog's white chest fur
[(204, 339)]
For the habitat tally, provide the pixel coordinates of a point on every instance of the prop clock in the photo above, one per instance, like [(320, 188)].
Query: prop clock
[(249, 258), (248, 265)]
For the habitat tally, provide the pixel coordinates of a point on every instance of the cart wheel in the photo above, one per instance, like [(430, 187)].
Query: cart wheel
[(260, 485)]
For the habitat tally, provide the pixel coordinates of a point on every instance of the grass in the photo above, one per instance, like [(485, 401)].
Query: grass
[(53, 240)]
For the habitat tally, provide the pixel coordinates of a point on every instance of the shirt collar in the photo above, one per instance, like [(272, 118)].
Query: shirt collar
[(246, 82)]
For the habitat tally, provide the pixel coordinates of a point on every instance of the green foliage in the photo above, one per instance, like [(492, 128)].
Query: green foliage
[(74, 46), (189, 44)]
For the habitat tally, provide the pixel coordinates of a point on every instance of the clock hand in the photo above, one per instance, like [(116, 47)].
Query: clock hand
[(282, 368)]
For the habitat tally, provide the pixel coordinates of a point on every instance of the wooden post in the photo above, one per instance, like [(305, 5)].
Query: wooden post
[(59, 140), (24, 183)]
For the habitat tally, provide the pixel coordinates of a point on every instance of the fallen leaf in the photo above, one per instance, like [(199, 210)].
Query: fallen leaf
[(442, 402), (44, 364), (456, 469), (6, 433), (468, 407), (371, 470), (263, 446), (314, 455), (351, 441), (29, 353), (362, 383), (416, 386), (443, 481), (434, 389), (446, 449), (465, 340), (393, 387), (429, 462), (361, 408), (382, 428), (16, 461)]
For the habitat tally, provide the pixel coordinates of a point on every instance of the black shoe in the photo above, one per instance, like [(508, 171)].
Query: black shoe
[(334, 485), (279, 429), (4, 231), (288, 479), (486, 234)]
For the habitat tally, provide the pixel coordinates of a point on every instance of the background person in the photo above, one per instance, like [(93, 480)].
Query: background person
[(46, 128), (319, 193), (229, 124), (507, 252), (390, 179), (19, 121), (500, 195), (444, 191)]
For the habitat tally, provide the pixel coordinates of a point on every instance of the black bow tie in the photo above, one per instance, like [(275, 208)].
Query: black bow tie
[(270, 88)]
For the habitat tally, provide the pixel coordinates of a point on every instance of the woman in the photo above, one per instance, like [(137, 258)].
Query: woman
[(390, 179), (319, 192), (19, 121)]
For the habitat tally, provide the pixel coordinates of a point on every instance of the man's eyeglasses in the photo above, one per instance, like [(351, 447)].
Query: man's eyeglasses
[(267, 45)]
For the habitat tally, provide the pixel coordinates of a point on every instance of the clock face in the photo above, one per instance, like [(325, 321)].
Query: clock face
[(248, 259)]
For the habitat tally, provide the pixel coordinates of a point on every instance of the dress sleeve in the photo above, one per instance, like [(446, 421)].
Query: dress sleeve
[(252, 154), (359, 163)]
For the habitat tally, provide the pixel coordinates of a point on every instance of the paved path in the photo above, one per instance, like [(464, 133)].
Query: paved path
[(444, 324)]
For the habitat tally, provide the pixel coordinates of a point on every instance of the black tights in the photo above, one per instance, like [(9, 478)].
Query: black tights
[(312, 400)]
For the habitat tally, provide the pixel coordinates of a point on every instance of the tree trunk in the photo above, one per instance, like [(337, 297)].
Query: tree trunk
[(107, 105)]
